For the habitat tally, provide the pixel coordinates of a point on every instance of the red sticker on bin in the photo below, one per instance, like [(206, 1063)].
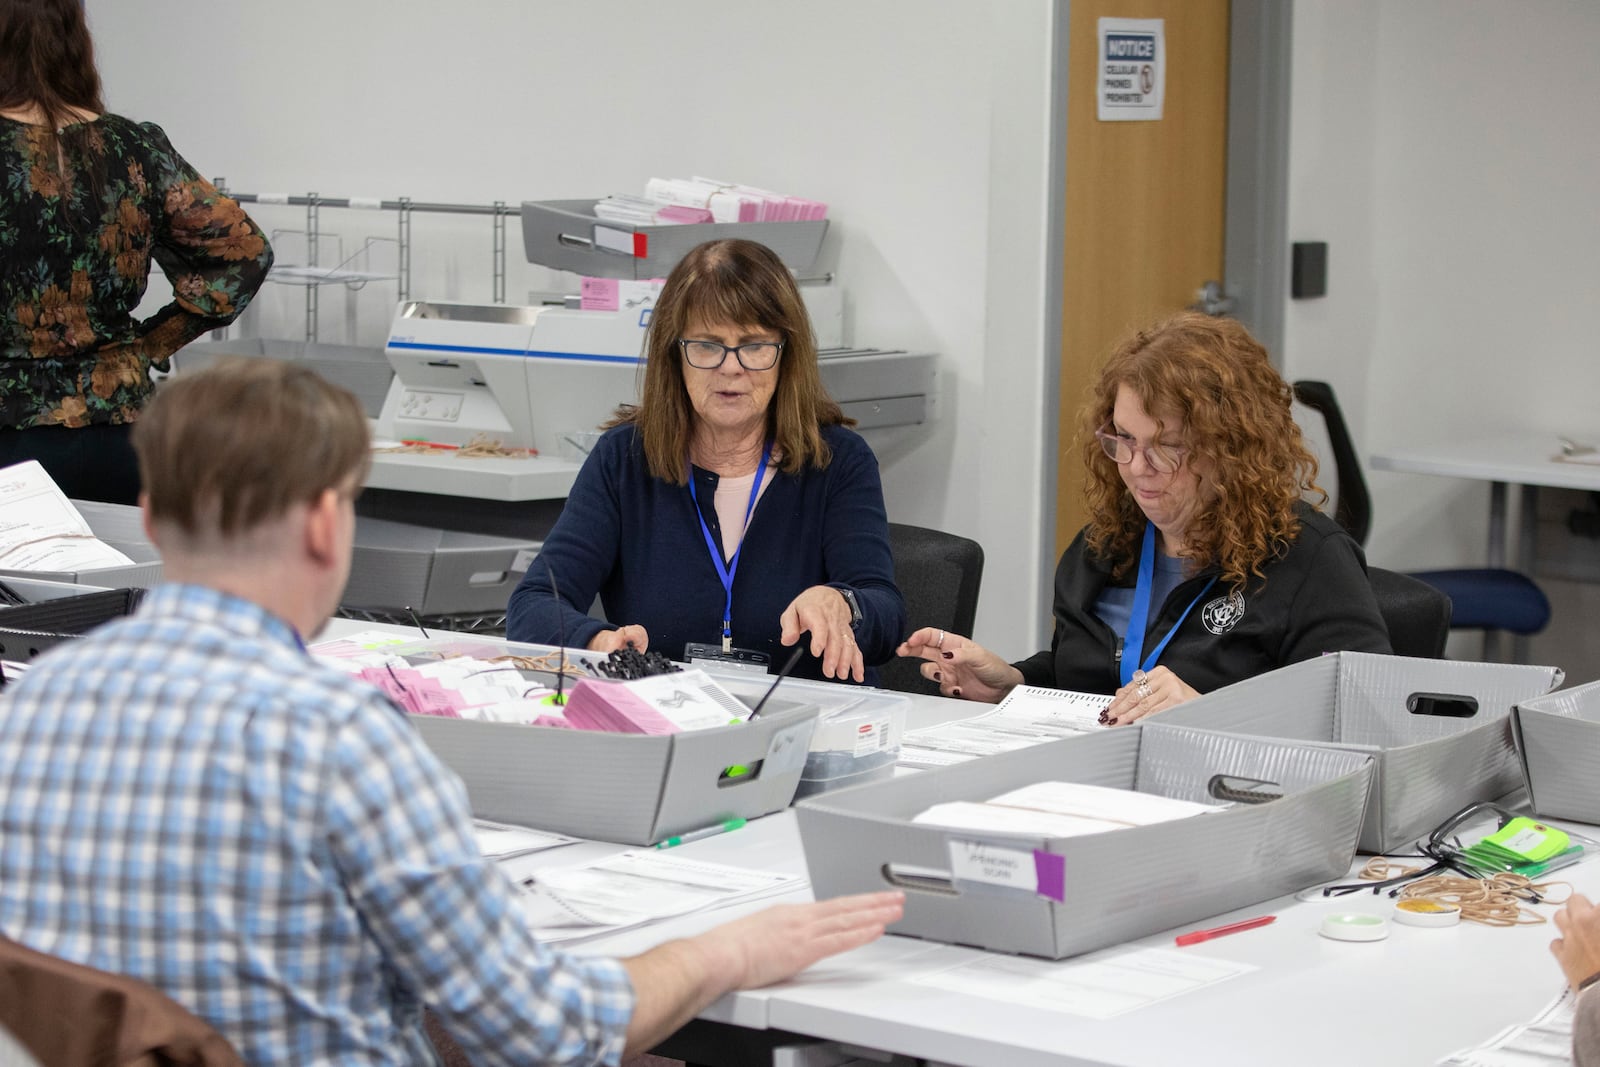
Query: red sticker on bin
[(1051, 870), (641, 245)]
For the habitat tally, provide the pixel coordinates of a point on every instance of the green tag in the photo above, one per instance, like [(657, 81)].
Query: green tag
[(1524, 841)]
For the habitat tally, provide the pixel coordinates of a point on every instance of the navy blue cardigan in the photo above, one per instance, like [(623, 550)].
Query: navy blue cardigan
[(633, 540)]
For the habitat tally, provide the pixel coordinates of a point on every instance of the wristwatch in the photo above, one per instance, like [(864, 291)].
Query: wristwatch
[(855, 608)]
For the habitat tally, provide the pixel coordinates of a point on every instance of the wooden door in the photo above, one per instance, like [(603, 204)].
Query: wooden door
[(1144, 205)]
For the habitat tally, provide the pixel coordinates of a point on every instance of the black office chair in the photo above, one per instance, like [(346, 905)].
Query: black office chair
[(939, 574), (1490, 599), (1417, 614)]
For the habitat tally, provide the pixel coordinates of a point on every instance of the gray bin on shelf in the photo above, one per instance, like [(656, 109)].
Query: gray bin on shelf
[(122, 527), (1402, 710), (434, 572), (1558, 740), (1114, 886), (566, 235)]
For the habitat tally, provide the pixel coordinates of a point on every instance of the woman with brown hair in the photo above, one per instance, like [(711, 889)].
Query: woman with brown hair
[(733, 507), (1202, 564), (89, 199)]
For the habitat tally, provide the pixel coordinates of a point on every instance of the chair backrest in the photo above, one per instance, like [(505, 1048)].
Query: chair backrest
[(1417, 614), (938, 574), (1353, 508), (67, 1014)]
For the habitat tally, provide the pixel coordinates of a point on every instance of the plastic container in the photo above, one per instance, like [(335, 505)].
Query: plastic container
[(858, 732), (859, 742)]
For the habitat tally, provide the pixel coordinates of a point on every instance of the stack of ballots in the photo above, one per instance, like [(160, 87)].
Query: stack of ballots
[(669, 200), (1439, 730)]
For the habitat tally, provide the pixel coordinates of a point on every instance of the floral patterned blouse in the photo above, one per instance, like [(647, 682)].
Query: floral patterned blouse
[(74, 258)]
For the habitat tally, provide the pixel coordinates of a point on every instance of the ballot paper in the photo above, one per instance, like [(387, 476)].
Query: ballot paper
[(1545, 1040), (1061, 809), (637, 887), (1029, 715), (501, 841), (40, 530), (1097, 986)]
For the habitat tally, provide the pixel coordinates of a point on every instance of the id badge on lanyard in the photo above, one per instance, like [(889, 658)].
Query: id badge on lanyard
[(727, 571), (1133, 643)]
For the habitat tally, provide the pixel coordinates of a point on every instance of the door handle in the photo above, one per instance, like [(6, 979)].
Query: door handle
[(1212, 299)]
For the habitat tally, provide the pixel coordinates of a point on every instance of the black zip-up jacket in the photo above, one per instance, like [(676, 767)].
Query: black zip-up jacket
[(1315, 598)]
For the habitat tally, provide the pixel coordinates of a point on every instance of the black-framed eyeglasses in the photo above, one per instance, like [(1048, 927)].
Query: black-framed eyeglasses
[(1163, 459), (708, 355)]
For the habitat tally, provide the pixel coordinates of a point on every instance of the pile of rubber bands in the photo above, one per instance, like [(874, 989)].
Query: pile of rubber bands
[(1499, 899)]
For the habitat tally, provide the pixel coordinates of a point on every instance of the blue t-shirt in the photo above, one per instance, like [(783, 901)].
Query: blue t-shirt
[(1115, 606)]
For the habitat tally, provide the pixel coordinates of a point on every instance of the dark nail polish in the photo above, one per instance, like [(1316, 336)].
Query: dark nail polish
[(955, 692), (938, 676), (948, 655)]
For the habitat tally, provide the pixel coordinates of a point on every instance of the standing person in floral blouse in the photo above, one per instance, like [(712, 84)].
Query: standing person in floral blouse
[(87, 200)]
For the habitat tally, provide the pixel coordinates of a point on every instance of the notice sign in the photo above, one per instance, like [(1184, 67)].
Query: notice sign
[(1132, 75)]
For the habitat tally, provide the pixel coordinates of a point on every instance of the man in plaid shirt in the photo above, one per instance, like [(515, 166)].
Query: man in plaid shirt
[(187, 797)]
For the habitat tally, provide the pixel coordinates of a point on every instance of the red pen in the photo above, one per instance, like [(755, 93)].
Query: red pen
[(1194, 937), (430, 444)]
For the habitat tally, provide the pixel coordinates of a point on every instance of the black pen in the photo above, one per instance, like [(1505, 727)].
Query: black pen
[(794, 657)]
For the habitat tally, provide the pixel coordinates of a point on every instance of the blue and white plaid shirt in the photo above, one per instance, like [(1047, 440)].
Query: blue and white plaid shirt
[(187, 797)]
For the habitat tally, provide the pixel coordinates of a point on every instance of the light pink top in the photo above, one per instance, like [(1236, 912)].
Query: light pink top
[(733, 496)]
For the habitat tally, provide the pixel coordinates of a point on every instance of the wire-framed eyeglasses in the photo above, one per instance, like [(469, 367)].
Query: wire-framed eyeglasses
[(1163, 459), (708, 355)]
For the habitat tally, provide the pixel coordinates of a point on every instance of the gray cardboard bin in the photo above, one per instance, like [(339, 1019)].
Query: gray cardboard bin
[(121, 527), (434, 572), (1112, 887), (635, 789), (1558, 740), (566, 235), (1440, 730)]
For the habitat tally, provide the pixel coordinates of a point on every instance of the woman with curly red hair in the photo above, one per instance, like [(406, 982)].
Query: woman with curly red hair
[(1202, 564)]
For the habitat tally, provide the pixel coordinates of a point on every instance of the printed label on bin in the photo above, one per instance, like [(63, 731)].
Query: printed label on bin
[(872, 737), (524, 559), (787, 749), (979, 861), (611, 240)]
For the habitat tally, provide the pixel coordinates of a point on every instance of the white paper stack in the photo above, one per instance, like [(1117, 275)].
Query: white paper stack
[(40, 530), (638, 887), (1061, 809), (1029, 715)]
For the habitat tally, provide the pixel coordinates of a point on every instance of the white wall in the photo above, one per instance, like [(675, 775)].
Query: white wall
[(923, 123), (1447, 151)]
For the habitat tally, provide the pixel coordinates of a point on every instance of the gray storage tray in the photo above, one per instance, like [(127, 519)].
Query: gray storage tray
[(630, 788), (561, 234), (1119, 885), (396, 565), (1558, 740), (1428, 766)]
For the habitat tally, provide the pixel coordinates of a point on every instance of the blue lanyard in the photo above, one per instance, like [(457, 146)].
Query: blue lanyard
[(727, 571), (1133, 643)]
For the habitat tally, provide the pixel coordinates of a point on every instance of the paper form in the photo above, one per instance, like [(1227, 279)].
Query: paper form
[(1547, 1040), (1061, 809), (638, 887), (1098, 986), (40, 530), (499, 841), (1029, 715)]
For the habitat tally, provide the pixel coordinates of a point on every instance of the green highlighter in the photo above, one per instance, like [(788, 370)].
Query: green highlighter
[(696, 835)]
